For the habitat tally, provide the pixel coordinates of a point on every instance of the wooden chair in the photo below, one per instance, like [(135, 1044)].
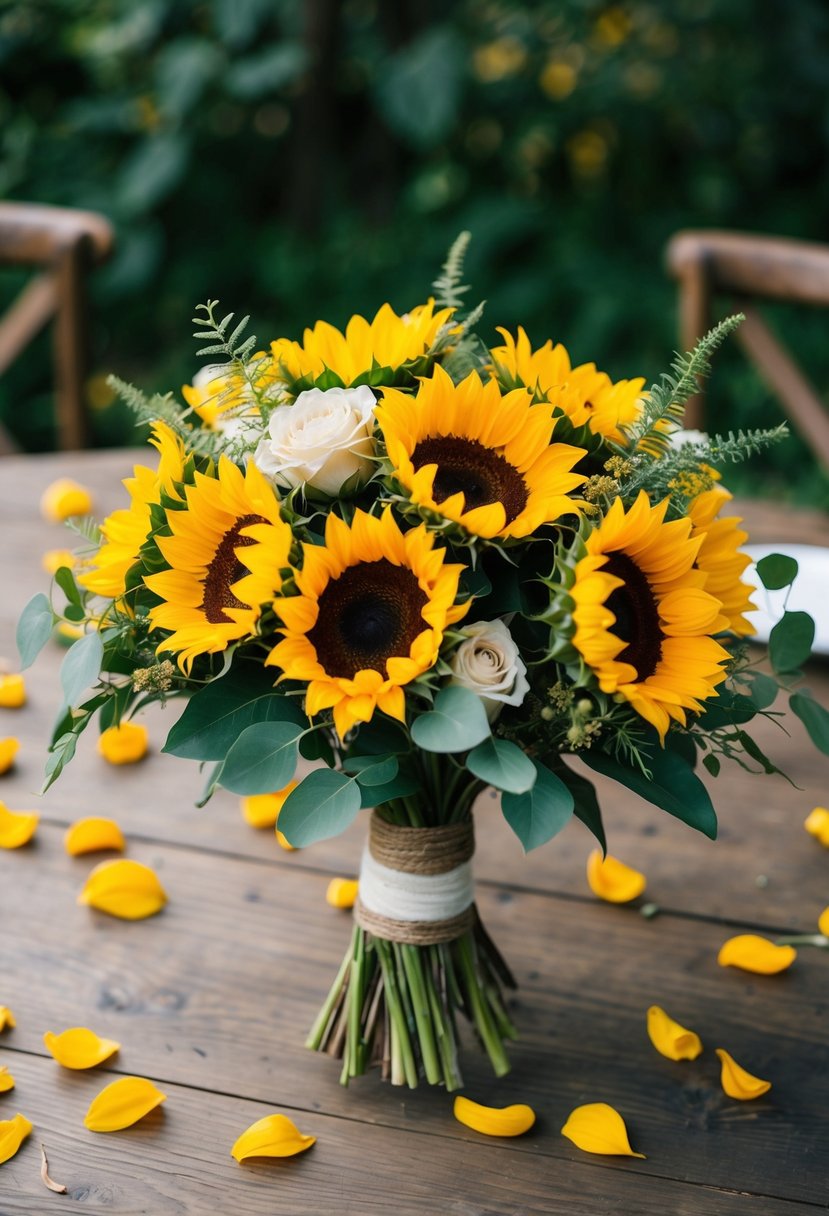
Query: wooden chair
[(749, 268), (65, 244)]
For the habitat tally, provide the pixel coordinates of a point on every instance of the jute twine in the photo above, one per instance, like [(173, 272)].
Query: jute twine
[(426, 851)]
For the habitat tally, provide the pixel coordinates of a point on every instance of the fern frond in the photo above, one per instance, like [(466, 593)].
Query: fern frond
[(448, 287), (216, 331), (149, 409), (87, 528)]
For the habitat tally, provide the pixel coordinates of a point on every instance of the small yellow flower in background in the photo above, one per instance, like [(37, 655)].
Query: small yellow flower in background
[(738, 1083), (12, 691), (7, 1019), (124, 744), (342, 892), (612, 880), (79, 1047), (497, 60), (669, 1038), (126, 889), (262, 810), (752, 953), (558, 79), (272, 1136), (823, 922), (92, 834), (817, 825), (64, 498), (16, 827), (494, 1120), (598, 1128), (53, 559), (12, 1134), (9, 748), (122, 1103), (6, 1080)]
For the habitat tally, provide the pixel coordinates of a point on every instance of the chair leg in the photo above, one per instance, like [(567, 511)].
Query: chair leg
[(694, 323), (70, 346)]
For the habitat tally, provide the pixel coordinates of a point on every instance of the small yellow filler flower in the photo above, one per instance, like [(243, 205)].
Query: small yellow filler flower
[(123, 888), (16, 827), (669, 1038), (598, 1128), (817, 825), (612, 880), (122, 1103), (750, 952), (124, 744), (494, 1120), (272, 1136), (6, 1080), (9, 748), (342, 892), (738, 1083), (79, 1047), (7, 1018), (12, 690), (12, 1134), (53, 559), (91, 835)]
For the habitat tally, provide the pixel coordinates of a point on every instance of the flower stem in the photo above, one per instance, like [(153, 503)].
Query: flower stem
[(420, 1005), (318, 1029), (480, 1009)]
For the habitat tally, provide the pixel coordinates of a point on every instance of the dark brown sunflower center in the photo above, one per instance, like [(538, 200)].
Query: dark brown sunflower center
[(637, 616), (224, 570), (467, 467), (369, 614)]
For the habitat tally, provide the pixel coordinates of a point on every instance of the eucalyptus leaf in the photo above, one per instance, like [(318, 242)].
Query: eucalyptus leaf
[(542, 812), (81, 667), (790, 641), (373, 770), (586, 806), (215, 716), (456, 723), (263, 759), (503, 765), (673, 786), (777, 570), (764, 689), (34, 629), (322, 805), (814, 717)]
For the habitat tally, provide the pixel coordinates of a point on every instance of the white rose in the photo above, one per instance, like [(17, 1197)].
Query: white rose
[(321, 440), (678, 439), (488, 663)]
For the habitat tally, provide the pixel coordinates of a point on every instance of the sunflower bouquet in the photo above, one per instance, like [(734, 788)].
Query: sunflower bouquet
[(427, 567)]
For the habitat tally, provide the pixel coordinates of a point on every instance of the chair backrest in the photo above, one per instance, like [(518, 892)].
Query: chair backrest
[(749, 268), (64, 244)]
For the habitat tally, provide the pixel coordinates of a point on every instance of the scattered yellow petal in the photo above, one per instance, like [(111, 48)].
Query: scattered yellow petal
[(669, 1038), (494, 1120), (817, 825), (64, 498), (738, 1083), (79, 1047), (342, 892), (12, 690), (67, 633), (612, 880), (124, 744), (9, 748), (6, 1080), (124, 888), (48, 1182), (53, 559), (262, 811), (598, 1128), (12, 1134), (823, 922), (16, 827), (122, 1103), (7, 1019), (758, 954), (91, 835), (273, 1136), (284, 842)]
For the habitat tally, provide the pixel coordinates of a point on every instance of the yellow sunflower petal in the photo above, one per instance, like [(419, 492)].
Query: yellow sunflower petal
[(752, 953), (6, 1080), (598, 1128), (612, 880), (16, 827), (12, 691), (494, 1120), (126, 889), (92, 834), (64, 498), (12, 1134), (8, 750), (342, 892), (669, 1038), (823, 922), (817, 825), (738, 1083), (122, 1103), (124, 744), (79, 1047), (7, 1018), (272, 1136)]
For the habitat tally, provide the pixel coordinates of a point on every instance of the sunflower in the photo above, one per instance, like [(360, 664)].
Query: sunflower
[(720, 557), (369, 352), (643, 617), (481, 459), (125, 531), (372, 608), (225, 554), (585, 395)]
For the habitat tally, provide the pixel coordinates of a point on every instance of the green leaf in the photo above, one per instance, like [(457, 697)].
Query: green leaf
[(59, 756), (402, 786), (267, 71), (81, 667), (542, 812), (457, 722), (420, 87), (216, 715), (263, 759), (34, 629), (586, 807), (814, 717), (727, 708), (74, 612), (65, 579), (322, 805), (712, 764), (764, 689), (503, 765), (213, 775), (753, 749), (790, 641), (373, 770), (776, 571), (673, 786)]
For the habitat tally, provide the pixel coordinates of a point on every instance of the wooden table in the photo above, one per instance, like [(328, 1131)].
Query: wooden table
[(212, 998)]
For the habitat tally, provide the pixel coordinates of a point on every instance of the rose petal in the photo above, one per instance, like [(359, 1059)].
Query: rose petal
[(64, 498), (6, 1080), (598, 1128), (12, 691), (272, 1136), (92, 834), (9, 748), (669, 1038), (738, 1083), (7, 1019), (494, 1120), (16, 827), (12, 1134), (79, 1047), (262, 810), (817, 825), (123, 888), (124, 744), (342, 892), (757, 954), (122, 1103), (612, 880)]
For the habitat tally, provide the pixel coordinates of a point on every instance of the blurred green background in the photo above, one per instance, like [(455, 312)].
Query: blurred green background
[(311, 159)]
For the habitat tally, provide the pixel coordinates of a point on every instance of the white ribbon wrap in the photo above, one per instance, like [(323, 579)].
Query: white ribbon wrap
[(414, 897)]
